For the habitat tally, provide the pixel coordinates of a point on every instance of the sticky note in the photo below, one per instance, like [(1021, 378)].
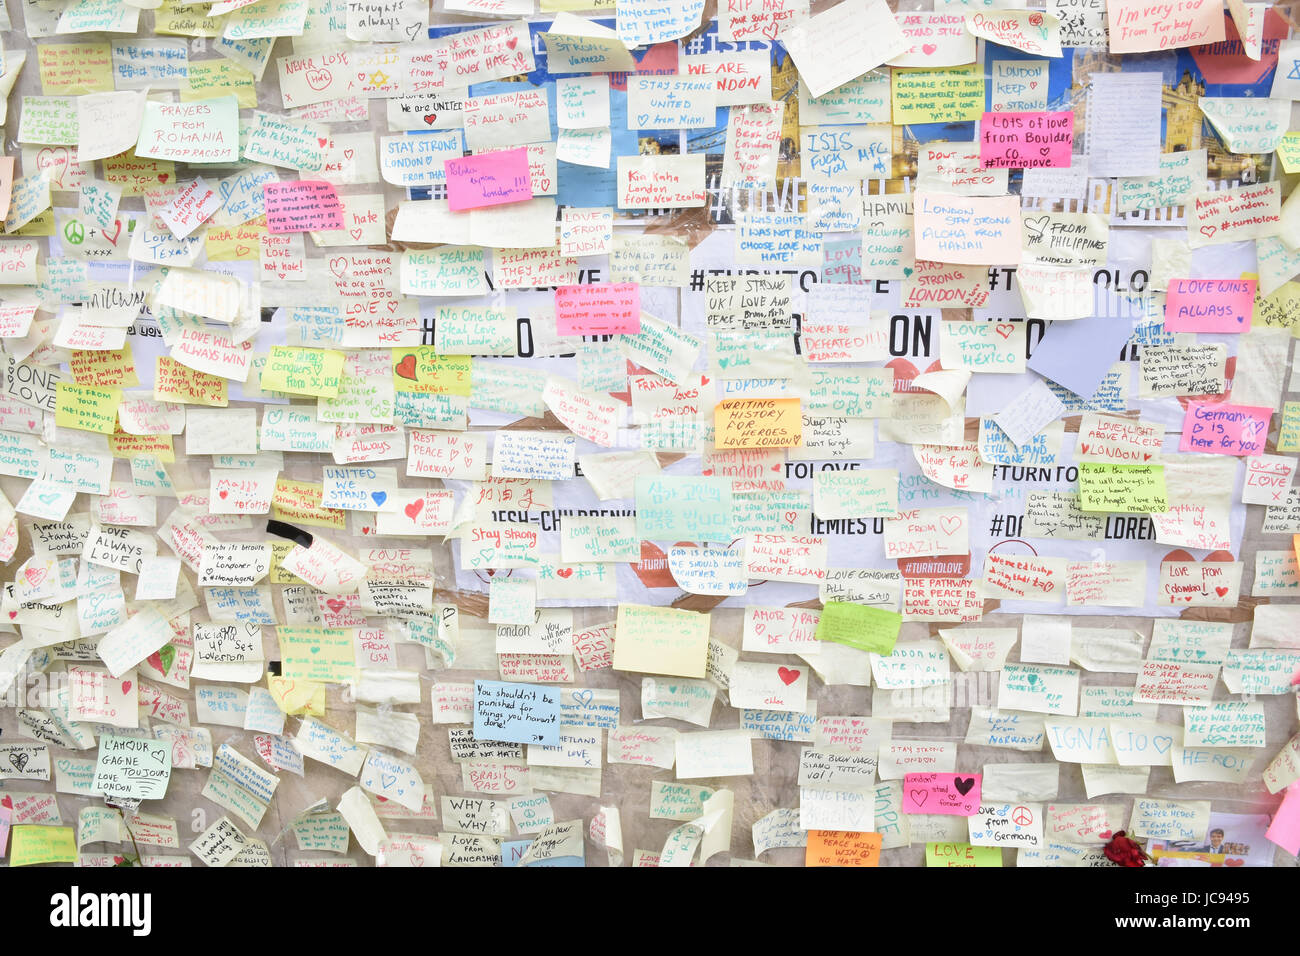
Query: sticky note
[(952, 95), (1209, 305), (859, 625), (758, 423), (661, 640), (321, 654), (1218, 428), (1121, 488), (301, 205), (132, 767), (516, 713), (303, 371), (961, 854), (1026, 140), (87, 407), (941, 793), (488, 179), (33, 845), (842, 848), (607, 309)]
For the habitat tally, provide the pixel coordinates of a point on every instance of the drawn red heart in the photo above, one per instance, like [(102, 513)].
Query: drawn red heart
[(126, 687), (336, 605), (1005, 329), (512, 42), (1208, 231), (241, 251), (356, 234), (430, 118), (414, 508), (1036, 19), (1234, 861), (12, 615), (117, 232), (321, 141), (1221, 592), (163, 177), (564, 572), (223, 494), (406, 368), (787, 675), (339, 266)]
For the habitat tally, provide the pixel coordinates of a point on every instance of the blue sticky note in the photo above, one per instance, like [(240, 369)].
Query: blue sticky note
[(512, 851), (516, 713), (1079, 353)]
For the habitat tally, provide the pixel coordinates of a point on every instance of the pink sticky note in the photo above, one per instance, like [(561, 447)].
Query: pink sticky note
[(1285, 828), (598, 309), (1209, 305), (1217, 428), (952, 793), (488, 179), (302, 205), (1026, 140)]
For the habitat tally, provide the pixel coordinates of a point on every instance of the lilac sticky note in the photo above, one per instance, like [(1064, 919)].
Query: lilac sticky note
[(1078, 354), (488, 179)]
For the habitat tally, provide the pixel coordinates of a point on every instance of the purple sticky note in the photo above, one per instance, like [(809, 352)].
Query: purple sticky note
[(488, 179), (1078, 354)]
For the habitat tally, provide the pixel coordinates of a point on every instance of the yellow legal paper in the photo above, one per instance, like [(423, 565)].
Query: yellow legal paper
[(962, 854), (661, 640), (758, 423), (950, 95), (323, 654), (1127, 489), (421, 369), (33, 845), (86, 407), (297, 697), (303, 371)]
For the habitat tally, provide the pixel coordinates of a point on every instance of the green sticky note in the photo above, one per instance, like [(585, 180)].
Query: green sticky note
[(673, 508), (303, 371), (860, 626), (1122, 488), (961, 854)]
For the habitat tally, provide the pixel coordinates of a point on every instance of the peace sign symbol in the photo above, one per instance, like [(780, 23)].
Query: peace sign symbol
[(75, 232), (1022, 816)]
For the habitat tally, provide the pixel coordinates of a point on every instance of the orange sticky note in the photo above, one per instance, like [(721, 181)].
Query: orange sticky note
[(1295, 546), (758, 423), (842, 848)]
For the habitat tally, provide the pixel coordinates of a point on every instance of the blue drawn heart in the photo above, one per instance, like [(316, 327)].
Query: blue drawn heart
[(583, 697), (379, 497), (387, 780)]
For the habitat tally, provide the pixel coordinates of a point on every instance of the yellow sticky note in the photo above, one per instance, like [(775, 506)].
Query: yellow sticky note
[(858, 625), (174, 382), (298, 502), (209, 78), (758, 423), (303, 371), (122, 445), (1278, 309), (297, 697), (661, 640), (279, 551), (961, 854), (1288, 435), (951, 95), (87, 407), (242, 243), (842, 848), (1289, 152), (324, 654), (135, 174), (422, 369), (176, 18), (106, 368), (74, 68), (1127, 489), (33, 845)]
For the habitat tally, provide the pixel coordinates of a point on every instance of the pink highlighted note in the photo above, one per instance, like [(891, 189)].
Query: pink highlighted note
[(607, 309), (1026, 140), (955, 794), (1216, 428), (1209, 305), (488, 179), (302, 205)]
